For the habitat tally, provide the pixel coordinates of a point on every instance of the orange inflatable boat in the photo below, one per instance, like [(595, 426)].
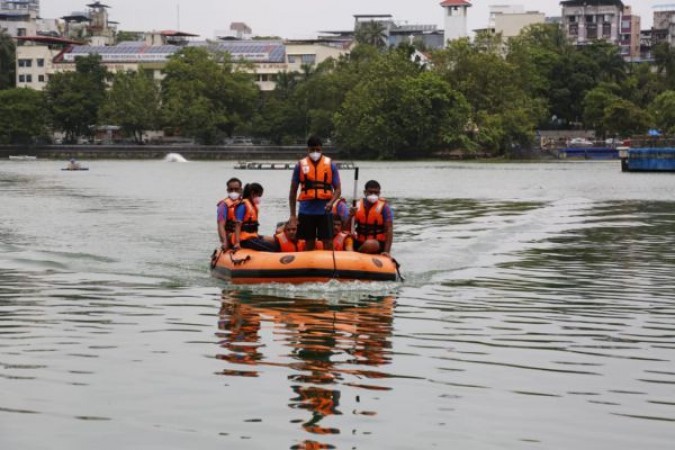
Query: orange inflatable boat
[(249, 267)]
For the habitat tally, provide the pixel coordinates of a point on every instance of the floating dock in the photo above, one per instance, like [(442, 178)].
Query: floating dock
[(256, 165)]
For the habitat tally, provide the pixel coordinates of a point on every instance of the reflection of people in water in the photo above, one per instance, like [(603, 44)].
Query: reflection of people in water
[(326, 342)]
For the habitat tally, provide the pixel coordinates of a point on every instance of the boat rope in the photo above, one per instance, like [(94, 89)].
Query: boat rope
[(398, 271)]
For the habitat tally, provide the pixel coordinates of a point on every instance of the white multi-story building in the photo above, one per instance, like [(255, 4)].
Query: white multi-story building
[(511, 24), (38, 58), (585, 21), (19, 17)]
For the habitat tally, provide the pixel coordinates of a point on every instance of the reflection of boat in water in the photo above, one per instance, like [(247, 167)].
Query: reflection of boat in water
[(332, 352), (75, 168), (249, 266), (22, 158)]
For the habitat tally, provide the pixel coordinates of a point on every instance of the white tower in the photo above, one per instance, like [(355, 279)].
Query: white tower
[(455, 19)]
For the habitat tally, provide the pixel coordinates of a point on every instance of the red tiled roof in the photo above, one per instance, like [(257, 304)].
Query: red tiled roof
[(455, 3), (49, 40), (174, 33)]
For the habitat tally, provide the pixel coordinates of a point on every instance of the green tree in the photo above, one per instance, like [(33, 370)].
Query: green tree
[(624, 118), (396, 110), (663, 112), (132, 102), (372, 33), (74, 98), (7, 61), (596, 103), (504, 113), (22, 116), (664, 59), (204, 96)]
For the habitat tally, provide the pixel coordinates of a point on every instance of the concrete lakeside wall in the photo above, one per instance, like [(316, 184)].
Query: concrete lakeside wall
[(190, 152)]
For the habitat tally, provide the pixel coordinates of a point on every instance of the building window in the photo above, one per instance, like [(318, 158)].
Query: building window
[(572, 19), (29, 78), (25, 63), (606, 30), (41, 78), (308, 59), (40, 62), (574, 29), (21, 32), (590, 19), (22, 78), (291, 59), (591, 32)]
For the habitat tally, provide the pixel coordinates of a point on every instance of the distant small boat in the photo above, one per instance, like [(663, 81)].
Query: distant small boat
[(175, 157), (75, 168), (22, 158)]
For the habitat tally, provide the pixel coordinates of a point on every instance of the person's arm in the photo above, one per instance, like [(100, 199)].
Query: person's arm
[(349, 244), (292, 195), (240, 213), (237, 231), (388, 230), (389, 233), (337, 187), (222, 235)]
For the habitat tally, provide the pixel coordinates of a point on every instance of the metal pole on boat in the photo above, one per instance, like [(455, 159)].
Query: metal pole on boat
[(356, 184)]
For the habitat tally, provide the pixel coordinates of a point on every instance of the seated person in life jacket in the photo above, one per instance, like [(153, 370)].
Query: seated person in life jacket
[(287, 241), (341, 209), (374, 222), (246, 226), (225, 213), (342, 240)]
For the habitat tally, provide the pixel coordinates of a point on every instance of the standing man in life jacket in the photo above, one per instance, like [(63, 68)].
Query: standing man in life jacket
[(374, 222), (225, 214), (319, 181)]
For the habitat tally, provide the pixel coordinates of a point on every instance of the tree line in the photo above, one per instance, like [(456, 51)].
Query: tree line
[(377, 102)]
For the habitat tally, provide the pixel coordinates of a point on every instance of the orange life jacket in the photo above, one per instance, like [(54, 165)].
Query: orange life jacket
[(230, 207), (370, 221), (286, 245), (316, 179), (250, 224), (340, 241)]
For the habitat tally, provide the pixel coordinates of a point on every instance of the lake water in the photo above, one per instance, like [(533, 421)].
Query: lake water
[(538, 311)]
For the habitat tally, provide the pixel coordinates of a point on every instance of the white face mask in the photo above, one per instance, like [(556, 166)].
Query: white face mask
[(256, 200), (233, 195), (372, 198), (315, 156)]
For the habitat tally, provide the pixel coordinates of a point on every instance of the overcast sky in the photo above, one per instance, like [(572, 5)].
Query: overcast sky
[(293, 18)]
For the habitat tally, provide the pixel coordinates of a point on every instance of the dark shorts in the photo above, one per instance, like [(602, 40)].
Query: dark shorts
[(311, 227), (258, 244)]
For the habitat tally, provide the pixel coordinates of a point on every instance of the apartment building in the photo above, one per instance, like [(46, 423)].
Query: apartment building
[(663, 29), (630, 35), (19, 17), (586, 21)]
